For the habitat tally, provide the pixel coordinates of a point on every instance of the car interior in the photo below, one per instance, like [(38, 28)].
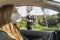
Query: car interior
[(31, 34)]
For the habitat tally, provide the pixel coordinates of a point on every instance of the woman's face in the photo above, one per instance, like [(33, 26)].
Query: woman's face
[(15, 16)]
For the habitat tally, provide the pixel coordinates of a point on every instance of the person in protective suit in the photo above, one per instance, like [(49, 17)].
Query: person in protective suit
[(30, 21)]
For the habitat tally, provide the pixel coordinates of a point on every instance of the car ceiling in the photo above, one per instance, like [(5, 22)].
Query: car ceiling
[(42, 3)]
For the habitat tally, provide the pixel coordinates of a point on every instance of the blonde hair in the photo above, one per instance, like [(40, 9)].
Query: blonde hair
[(6, 24)]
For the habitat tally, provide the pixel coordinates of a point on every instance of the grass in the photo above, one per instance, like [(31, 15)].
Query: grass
[(22, 26), (40, 28)]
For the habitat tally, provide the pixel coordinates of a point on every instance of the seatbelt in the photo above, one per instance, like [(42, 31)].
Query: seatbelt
[(50, 36)]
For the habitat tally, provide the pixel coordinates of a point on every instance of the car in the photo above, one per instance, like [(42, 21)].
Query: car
[(31, 34)]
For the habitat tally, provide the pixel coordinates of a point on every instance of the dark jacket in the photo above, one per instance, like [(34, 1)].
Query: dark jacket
[(30, 18)]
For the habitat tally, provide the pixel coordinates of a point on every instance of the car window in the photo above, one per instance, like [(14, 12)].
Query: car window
[(54, 1), (45, 19)]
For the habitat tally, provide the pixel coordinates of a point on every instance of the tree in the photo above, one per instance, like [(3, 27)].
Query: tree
[(59, 17), (45, 17)]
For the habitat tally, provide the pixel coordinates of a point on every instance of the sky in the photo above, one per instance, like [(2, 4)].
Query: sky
[(36, 10)]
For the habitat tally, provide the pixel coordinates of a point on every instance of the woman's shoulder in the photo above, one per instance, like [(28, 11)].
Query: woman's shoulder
[(4, 36)]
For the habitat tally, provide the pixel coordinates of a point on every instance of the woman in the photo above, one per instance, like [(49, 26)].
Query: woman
[(6, 24)]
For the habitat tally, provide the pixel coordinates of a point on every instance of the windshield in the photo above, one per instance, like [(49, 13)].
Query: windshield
[(45, 19)]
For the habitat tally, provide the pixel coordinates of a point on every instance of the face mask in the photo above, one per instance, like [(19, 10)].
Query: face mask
[(15, 17)]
